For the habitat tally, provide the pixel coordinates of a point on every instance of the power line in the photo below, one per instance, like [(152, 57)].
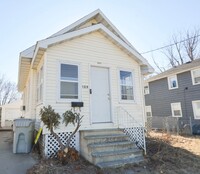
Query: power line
[(160, 48)]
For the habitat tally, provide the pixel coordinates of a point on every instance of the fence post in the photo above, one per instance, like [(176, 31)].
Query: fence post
[(177, 126), (191, 125)]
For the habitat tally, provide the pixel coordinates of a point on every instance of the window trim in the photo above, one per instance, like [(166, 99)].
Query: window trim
[(148, 106), (59, 80), (192, 75), (173, 110), (169, 82), (133, 83), (194, 111)]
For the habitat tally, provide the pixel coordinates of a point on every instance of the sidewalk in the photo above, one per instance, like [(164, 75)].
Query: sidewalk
[(12, 163)]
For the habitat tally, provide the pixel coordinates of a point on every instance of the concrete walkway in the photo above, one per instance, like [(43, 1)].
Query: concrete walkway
[(12, 163)]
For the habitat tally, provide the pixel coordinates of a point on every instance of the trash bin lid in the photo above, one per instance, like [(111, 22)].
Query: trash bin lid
[(22, 122)]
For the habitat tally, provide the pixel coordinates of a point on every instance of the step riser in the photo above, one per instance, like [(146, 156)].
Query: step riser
[(102, 132), (111, 148), (106, 140), (115, 157), (120, 163)]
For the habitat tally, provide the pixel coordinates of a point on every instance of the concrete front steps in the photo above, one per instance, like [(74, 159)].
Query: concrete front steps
[(109, 148)]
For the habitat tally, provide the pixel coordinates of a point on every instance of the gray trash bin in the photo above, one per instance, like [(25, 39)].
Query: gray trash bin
[(23, 135)]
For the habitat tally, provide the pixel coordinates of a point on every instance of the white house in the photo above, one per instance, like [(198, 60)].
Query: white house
[(89, 61), (9, 112)]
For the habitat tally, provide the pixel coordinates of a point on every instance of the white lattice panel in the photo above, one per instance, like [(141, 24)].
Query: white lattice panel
[(52, 146), (136, 135)]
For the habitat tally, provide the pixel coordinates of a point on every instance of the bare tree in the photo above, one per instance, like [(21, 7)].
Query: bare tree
[(161, 69), (183, 49), (191, 46), (8, 91)]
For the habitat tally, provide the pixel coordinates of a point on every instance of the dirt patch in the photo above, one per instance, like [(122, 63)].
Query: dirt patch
[(165, 154)]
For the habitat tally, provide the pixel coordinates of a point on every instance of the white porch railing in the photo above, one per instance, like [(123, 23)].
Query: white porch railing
[(131, 127)]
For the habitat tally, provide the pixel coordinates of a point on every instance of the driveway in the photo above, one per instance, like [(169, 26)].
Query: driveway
[(12, 163)]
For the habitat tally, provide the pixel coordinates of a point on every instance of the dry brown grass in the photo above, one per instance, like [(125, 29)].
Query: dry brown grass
[(167, 154)]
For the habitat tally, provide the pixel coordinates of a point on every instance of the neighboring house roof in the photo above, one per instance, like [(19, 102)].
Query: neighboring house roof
[(95, 21), (176, 70)]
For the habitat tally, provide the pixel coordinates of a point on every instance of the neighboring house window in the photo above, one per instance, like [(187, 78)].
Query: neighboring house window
[(69, 81), (126, 85), (148, 111), (146, 89), (176, 109), (196, 109), (196, 76), (172, 82), (40, 77)]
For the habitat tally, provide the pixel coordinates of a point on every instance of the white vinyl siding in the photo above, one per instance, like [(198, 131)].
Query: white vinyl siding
[(176, 109), (148, 111), (93, 49), (195, 76), (126, 85), (196, 109), (172, 82), (69, 81)]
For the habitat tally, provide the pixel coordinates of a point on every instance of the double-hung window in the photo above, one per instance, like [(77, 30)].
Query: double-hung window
[(126, 85), (148, 111), (172, 82), (40, 77), (196, 76), (176, 109), (69, 81), (196, 109), (146, 89)]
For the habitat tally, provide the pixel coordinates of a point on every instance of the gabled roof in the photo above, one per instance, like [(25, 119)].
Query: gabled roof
[(95, 21), (99, 18), (176, 70)]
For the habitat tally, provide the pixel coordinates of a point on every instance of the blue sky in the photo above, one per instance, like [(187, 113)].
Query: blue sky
[(146, 24)]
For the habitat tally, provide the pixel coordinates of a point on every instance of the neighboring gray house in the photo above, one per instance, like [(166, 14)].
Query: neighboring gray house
[(176, 93)]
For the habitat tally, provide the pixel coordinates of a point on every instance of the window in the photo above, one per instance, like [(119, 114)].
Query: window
[(196, 76), (196, 109), (172, 82), (126, 85), (176, 109), (40, 76), (27, 96), (148, 111), (69, 81), (146, 89)]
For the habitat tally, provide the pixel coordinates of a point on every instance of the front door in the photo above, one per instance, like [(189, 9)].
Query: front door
[(100, 95)]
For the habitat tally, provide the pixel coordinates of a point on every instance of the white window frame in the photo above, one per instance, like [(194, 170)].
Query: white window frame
[(133, 84), (194, 111), (146, 91), (148, 109), (169, 82), (192, 74), (172, 110), (59, 80)]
